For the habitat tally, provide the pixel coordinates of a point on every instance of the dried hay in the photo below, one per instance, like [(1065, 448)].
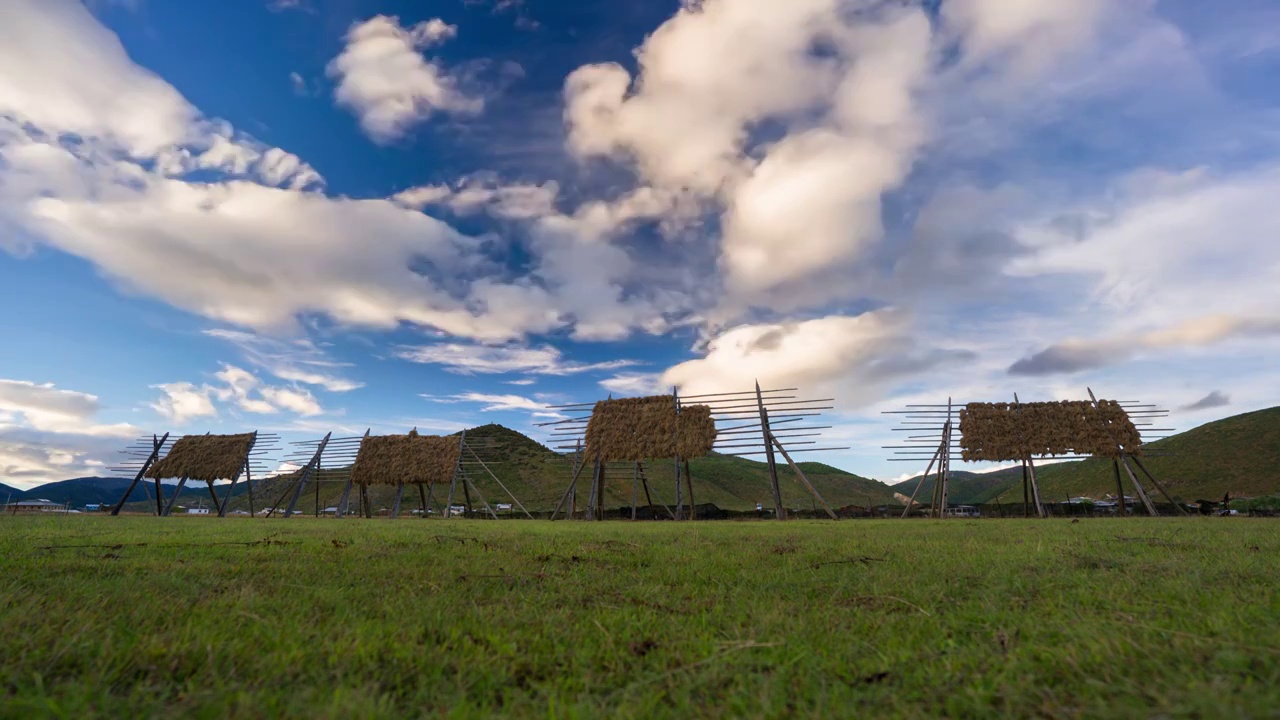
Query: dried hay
[(204, 457), (632, 429), (406, 459), (1001, 432)]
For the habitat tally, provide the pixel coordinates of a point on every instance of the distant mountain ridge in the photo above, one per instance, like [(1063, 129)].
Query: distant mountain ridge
[(107, 491)]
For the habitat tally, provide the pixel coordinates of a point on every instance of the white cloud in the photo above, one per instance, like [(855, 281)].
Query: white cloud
[(26, 465), (635, 384), (521, 381), (293, 399), (183, 401), (488, 359), (46, 408), (491, 402), (66, 75), (383, 78), (295, 361), (855, 359)]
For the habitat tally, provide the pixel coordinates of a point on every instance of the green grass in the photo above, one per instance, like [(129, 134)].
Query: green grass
[(202, 618)]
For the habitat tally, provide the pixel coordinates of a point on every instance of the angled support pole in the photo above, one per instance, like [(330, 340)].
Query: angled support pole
[(1030, 474), (307, 470), (635, 490), (577, 469), (346, 490), (514, 499), (1159, 487), (920, 484), (395, 507), (168, 507), (766, 434), (675, 447), (1142, 493), (800, 473), (156, 444), (457, 470), (944, 469), (222, 510)]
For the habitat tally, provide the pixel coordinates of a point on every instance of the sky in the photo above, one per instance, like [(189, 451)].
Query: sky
[(305, 216)]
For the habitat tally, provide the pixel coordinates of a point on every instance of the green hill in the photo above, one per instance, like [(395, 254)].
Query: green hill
[(1239, 454), (539, 476), (965, 488)]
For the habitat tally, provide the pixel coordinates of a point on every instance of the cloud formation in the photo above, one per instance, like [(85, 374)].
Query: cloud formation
[(495, 359), (384, 79), (46, 408), (1215, 399)]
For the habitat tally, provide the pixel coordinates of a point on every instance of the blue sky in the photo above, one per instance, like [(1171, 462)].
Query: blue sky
[(307, 216)]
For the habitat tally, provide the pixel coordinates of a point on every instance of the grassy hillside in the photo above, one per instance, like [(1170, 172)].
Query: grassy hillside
[(539, 476), (1239, 454), (965, 488)]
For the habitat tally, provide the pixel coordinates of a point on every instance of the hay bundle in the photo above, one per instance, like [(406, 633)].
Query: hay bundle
[(1000, 432), (406, 459), (204, 457), (631, 429)]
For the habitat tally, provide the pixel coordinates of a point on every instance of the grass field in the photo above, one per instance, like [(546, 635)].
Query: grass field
[(196, 617)]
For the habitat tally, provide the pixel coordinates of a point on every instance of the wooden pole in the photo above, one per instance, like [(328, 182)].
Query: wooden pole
[(422, 493), (635, 490), (395, 508), (1115, 465), (231, 489), (675, 447), (1026, 491), (317, 483), (1035, 487), (1142, 493), (688, 479), (248, 484), (217, 506), (146, 464), (800, 473), (168, 508), (457, 470), (766, 434), (578, 464), (920, 484), (307, 470), (944, 470), (514, 499), (1159, 487)]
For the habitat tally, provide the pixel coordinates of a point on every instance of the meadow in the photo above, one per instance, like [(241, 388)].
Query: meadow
[(208, 618)]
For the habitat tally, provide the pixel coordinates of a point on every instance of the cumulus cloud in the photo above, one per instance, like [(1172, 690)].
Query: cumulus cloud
[(47, 408), (25, 465), (493, 359), (183, 401), (851, 117), (856, 358), (384, 79)]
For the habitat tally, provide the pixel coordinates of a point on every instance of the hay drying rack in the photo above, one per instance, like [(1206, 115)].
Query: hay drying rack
[(748, 423), (935, 435), (140, 456), (330, 459)]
